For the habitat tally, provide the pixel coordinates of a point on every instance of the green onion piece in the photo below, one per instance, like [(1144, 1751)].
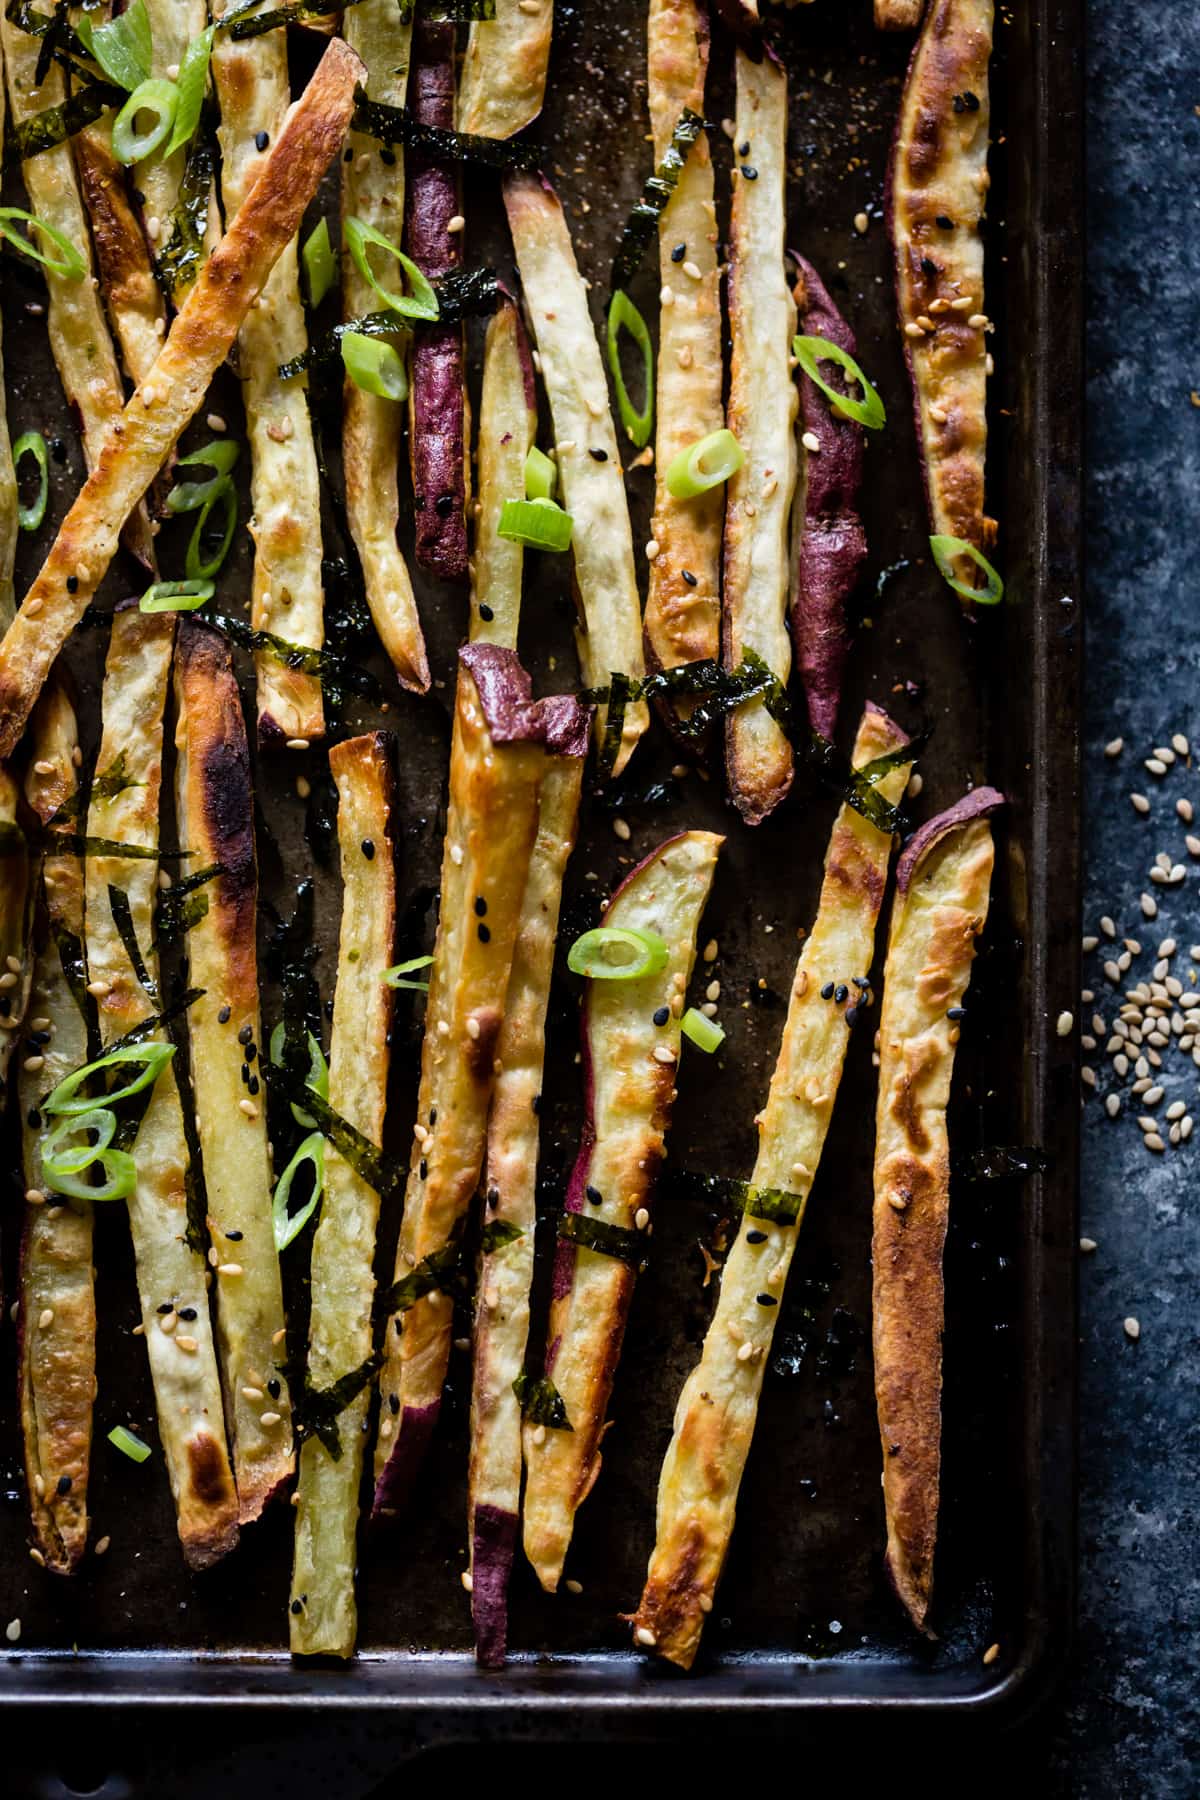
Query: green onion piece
[(615, 953), (78, 1157), (128, 1444), (421, 302), (809, 351), (703, 1033), (320, 266), (220, 456), (289, 1225), (161, 100), (153, 1059), (191, 83), (622, 312), (706, 464), (123, 47), (538, 524), (223, 494), (120, 1173), (32, 443), (374, 365), (540, 475), (395, 976), (318, 1070), (69, 263), (176, 596), (945, 549)]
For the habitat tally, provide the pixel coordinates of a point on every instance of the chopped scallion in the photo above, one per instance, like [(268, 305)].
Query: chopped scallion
[(69, 262), (123, 47), (32, 443), (622, 313), (540, 475), (421, 302), (702, 1032), (811, 351), (374, 365), (945, 549), (617, 953), (158, 98), (320, 264), (538, 524), (191, 83), (289, 1225), (395, 976), (318, 1070), (151, 1058), (705, 464), (176, 596), (128, 1444)]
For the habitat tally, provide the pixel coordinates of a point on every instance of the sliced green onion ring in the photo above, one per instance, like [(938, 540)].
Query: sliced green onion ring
[(318, 1070), (32, 443), (421, 302), (538, 524), (128, 1444), (222, 493), (123, 46), (704, 465), (541, 475), (77, 1157), (702, 1032), (176, 596), (622, 312), (374, 365), (220, 456), (66, 1098), (160, 99), (809, 351), (70, 264), (191, 83), (289, 1225), (120, 1173), (617, 953), (945, 549), (395, 976), (320, 265)]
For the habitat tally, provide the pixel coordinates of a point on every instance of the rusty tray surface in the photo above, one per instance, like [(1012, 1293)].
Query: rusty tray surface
[(803, 1616)]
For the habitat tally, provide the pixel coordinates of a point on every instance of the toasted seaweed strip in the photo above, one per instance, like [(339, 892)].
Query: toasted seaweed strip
[(683, 604), (79, 335), (373, 190), (937, 195), (630, 1071), (498, 758), (503, 80), (438, 424), (8, 479), (507, 431), (942, 888), (57, 1357), (174, 24), (132, 296), (323, 1617), (214, 809), (17, 889), (829, 545), (286, 593), (593, 489), (157, 413), (761, 415), (183, 1360), (715, 1417), (898, 15)]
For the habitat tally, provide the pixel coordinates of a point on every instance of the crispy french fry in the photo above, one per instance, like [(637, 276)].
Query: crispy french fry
[(16, 902), (589, 464), (286, 594), (57, 1318), (215, 812), (937, 194), (942, 887), (373, 190), (79, 336), (157, 413), (501, 742), (503, 79), (174, 24), (715, 1417), (323, 1615), (898, 15), (630, 1071), (170, 1271), (683, 604), (507, 432), (761, 415)]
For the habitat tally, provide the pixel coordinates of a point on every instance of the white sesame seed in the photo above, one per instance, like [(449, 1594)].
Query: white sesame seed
[(12, 1631), (269, 1418), (1089, 942), (641, 1218), (711, 951), (573, 1587), (252, 1393), (1186, 1125), (1112, 971), (102, 1545), (186, 1343), (663, 1053), (248, 1107), (621, 830), (1155, 765), (297, 743), (811, 442), (1180, 744), (1107, 927), (1087, 1245), (473, 1028), (456, 224), (1139, 803), (229, 1268), (1152, 1141), (1149, 906), (1176, 1110), (1065, 1024), (167, 1322), (1114, 746), (745, 1352), (1185, 810), (644, 1635), (1164, 754), (1168, 947), (1112, 1105), (1132, 1328), (692, 272), (861, 223), (1153, 1096), (1087, 1076), (46, 1317)]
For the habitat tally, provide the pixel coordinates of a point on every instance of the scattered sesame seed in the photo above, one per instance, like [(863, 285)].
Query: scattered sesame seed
[(1155, 765), (186, 1343), (1149, 906), (861, 223), (1107, 927), (1065, 1024), (102, 1545), (269, 1418), (456, 224), (663, 1053), (644, 1635), (621, 830), (1139, 803), (1114, 746), (991, 1653), (46, 1317), (1133, 1329), (1112, 1105), (710, 951), (811, 442), (12, 1631), (641, 1218)]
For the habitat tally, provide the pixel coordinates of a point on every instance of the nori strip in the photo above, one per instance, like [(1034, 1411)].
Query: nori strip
[(316, 1411), (435, 1273), (180, 906), (462, 294), (607, 1240), (376, 1168), (180, 256), (55, 124), (334, 671), (298, 13), (496, 1234), (643, 220), (541, 1401), (118, 900), (390, 125)]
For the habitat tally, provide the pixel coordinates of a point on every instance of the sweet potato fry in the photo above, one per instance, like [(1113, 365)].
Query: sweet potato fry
[(17, 886), (174, 24), (898, 15), (715, 1417), (8, 479), (507, 431), (942, 886), (503, 79)]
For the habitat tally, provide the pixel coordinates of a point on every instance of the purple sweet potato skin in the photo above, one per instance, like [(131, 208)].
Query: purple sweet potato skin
[(833, 545), (978, 804), (407, 1454), (495, 1539), (559, 721), (437, 438)]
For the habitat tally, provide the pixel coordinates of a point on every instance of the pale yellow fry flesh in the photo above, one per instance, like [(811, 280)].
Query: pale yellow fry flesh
[(503, 79)]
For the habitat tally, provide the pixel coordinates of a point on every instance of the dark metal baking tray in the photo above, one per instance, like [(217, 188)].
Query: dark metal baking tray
[(803, 1619)]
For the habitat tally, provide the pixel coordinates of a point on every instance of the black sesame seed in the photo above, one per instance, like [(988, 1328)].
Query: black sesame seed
[(691, 579), (166, 1307), (432, 1116), (971, 101), (536, 1104), (485, 936), (387, 157), (347, 156), (253, 1083), (480, 906), (368, 849), (827, 991), (5, 1005), (245, 1034), (394, 1402), (928, 267), (296, 1606), (72, 583), (64, 1484), (187, 1313), (861, 981), (34, 1118), (840, 992), (679, 252), (444, 505), (399, 1324), (250, 1052), (261, 139), (662, 1014), (749, 174), (245, 1073), (424, 1170), (493, 1196), (766, 1299), (958, 103), (945, 223), (233, 1237), (756, 1237), (851, 1014), (595, 1196), (956, 1012), (223, 1016), (273, 1388), (598, 455), (486, 613)]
